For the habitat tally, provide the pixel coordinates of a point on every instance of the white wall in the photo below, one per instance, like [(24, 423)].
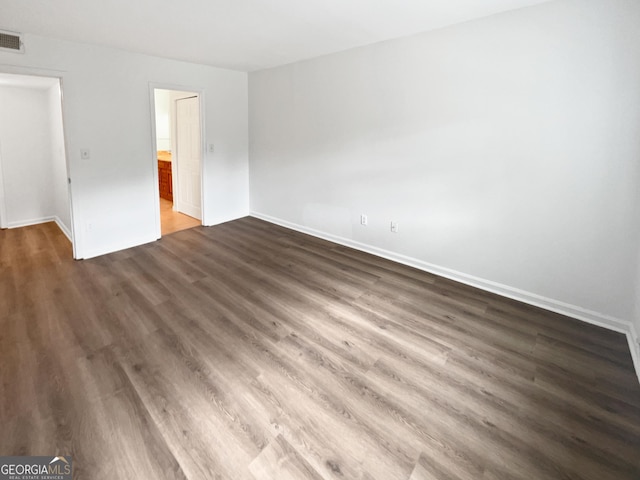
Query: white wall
[(166, 116), (58, 161), (163, 119), (107, 109), (506, 148), (25, 152)]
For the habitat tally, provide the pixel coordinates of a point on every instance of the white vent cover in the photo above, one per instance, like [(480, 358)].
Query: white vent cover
[(11, 42)]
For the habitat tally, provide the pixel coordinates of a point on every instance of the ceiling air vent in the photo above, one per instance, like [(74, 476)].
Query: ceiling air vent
[(10, 41)]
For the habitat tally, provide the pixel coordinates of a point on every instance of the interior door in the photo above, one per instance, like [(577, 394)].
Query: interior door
[(188, 156)]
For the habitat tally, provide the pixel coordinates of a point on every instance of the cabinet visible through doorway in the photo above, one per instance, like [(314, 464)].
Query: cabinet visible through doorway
[(165, 179)]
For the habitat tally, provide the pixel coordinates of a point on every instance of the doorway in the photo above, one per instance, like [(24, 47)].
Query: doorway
[(34, 185), (178, 143)]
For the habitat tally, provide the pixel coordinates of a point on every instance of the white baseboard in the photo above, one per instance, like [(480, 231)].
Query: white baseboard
[(211, 222), (574, 311), (33, 221), (37, 221), (63, 228), (634, 345), (116, 247)]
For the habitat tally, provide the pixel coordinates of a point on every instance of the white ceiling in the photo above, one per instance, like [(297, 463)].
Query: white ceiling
[(240, 34)]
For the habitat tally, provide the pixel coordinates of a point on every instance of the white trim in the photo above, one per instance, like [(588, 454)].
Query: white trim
[(633, 338), (20, 40), (37, 221), (224, 220), (154, 162), (59, 74), (92, 253), (574, 311), (63, 228), (69, 232), (119, 246), (32, 221), (200, 92)]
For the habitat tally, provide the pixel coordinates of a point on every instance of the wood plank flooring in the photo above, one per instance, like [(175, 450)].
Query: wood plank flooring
[(172, 221), (248, 351)]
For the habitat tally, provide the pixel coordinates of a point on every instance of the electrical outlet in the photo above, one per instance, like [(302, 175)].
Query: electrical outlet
[(363, 219), (394, 227)]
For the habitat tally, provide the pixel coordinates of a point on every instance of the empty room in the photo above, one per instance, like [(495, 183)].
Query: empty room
[(284, 240)]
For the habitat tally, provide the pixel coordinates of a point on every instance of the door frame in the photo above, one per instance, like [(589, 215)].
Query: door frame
[(156, 186), (59, 75)]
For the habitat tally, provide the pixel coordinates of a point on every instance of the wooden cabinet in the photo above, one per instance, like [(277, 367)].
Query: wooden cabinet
[(165, 179)]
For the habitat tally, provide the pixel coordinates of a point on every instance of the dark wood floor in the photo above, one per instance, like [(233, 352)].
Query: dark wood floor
[(247, 351)]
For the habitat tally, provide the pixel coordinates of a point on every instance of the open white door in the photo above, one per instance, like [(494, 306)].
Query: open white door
[(188, 157)]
